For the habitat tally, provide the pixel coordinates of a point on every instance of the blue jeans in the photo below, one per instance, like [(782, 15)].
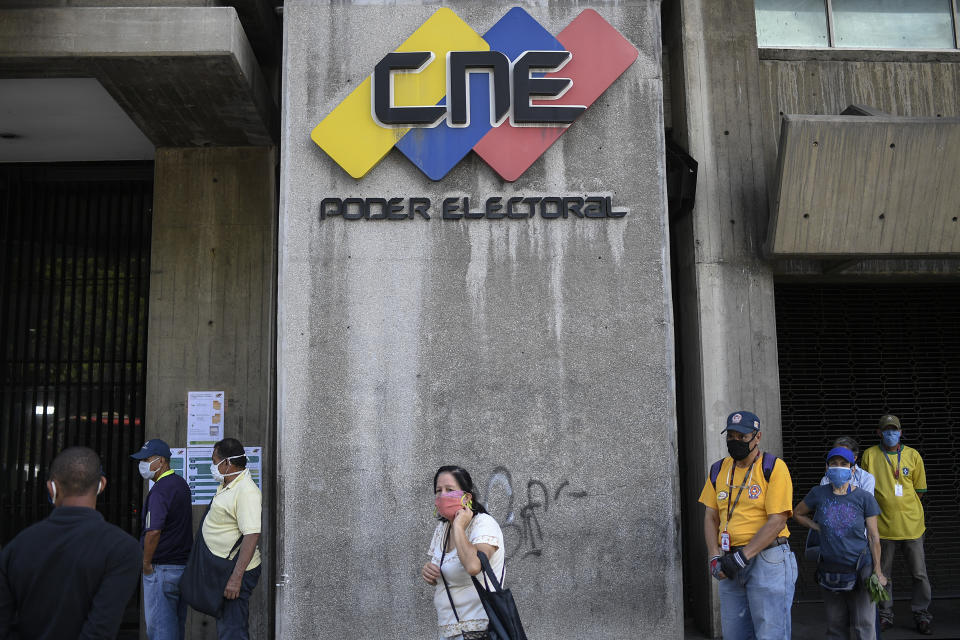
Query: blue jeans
[(164, 611), (233, 623), (756, 604)]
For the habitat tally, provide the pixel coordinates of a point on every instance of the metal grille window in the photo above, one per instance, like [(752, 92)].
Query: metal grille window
[(74, 278), (850, 353)]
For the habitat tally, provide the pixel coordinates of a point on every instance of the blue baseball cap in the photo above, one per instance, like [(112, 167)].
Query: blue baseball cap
[(842, 452), (742, 421), (155, 447)]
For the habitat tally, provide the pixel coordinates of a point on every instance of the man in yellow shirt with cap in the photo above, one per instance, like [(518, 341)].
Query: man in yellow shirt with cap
[(748, 497), (901, 481)]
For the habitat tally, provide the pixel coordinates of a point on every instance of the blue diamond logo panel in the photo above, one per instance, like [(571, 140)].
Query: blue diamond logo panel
[(436, 151)]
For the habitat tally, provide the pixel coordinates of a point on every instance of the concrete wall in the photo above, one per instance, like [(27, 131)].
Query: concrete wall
[(911, 84), (536, 353), (826, 83), (212, 305), (725, 307)]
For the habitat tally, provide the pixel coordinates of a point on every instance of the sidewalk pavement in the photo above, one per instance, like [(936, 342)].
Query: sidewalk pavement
[(808, 622)]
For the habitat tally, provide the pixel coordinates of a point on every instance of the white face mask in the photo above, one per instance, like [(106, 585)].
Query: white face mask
[(215, 469), (145, 471)]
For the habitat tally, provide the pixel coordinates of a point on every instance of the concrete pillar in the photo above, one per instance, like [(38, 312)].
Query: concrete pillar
[(726, 312), (212, 310), (537, 353)]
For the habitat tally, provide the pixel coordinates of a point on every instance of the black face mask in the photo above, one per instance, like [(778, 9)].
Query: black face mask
[(739, 449)]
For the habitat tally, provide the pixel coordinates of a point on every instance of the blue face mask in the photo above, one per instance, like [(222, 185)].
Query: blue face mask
[(891, 438), (839, 476)]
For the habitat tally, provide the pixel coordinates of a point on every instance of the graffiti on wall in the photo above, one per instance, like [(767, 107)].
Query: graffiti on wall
[(524, 509)]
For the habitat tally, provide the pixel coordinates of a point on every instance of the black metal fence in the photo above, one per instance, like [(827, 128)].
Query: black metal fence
[(850, 353), (74, 281)]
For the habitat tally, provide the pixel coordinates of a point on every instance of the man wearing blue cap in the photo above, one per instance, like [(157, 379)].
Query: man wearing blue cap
[(166, 537), (748, 497), (846, 518)]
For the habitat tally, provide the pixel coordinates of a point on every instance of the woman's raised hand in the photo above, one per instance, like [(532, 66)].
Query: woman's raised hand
[(430, 573), (463, 518)]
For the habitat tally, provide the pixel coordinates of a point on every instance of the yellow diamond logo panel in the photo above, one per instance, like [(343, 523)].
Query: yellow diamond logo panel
[(350, 135)]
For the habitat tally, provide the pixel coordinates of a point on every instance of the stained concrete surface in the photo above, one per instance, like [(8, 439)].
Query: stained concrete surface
[(808, 622), (537, 353), (186, 76)]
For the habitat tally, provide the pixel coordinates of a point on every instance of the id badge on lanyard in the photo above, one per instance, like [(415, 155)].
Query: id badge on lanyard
[(725, 541), (898, 486)]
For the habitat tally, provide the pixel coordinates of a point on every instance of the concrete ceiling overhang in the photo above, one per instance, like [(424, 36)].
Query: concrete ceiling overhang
[(186, 76), (866, 186)]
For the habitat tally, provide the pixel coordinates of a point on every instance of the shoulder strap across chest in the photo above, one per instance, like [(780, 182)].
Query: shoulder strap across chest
[(769, 461)]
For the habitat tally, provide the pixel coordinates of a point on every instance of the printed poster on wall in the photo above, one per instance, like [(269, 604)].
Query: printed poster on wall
[(255, 464), (202, 485), (205, 413)]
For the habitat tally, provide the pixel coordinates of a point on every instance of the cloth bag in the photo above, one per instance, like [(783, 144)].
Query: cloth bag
[(501, 609), (845, 579), (206, 575)]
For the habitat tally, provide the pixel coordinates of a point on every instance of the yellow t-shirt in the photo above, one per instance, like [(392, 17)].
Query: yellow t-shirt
[(758, 501), (235, 511), (901, 517)]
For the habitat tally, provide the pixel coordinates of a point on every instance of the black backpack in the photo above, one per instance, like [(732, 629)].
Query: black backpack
[(769, 460)]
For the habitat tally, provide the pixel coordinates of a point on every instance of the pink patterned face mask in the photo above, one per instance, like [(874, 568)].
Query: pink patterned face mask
[(449, 503)]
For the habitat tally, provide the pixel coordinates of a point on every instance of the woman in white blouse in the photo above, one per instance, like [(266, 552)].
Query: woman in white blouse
[(465, 528)]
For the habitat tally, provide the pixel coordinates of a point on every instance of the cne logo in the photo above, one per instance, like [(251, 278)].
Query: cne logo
[(754, 492), (446, 91)]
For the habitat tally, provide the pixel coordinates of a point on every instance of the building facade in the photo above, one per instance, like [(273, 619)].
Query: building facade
[(757, 208)]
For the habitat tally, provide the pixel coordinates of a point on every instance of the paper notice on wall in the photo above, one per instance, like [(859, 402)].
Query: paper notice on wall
[(202, 485), (178, 462), (205, 412), (255, 464)]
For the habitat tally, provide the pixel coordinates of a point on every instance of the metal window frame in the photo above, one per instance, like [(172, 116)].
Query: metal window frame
[(956, 27), (831, 39)]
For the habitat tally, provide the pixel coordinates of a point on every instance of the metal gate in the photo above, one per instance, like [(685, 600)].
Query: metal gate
[(74, 279), (850, 353)]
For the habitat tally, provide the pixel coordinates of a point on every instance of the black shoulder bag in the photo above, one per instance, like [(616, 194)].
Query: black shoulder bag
[(501, 609), (499, 605), (206, 575)]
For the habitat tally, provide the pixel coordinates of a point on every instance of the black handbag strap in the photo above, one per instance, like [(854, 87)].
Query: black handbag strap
[(446, 539), (488, 570)]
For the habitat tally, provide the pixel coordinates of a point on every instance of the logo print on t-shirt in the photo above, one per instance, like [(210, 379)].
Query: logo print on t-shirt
[(906, 471), (754, 492), (839, 517), (722, 496)]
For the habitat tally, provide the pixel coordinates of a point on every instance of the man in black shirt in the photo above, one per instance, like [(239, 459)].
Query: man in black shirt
[(72, 574), (166, 538)]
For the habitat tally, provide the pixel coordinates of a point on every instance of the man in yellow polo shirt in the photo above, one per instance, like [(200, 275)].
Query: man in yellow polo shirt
[(901, 481), (234, 514), (748, 497)]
